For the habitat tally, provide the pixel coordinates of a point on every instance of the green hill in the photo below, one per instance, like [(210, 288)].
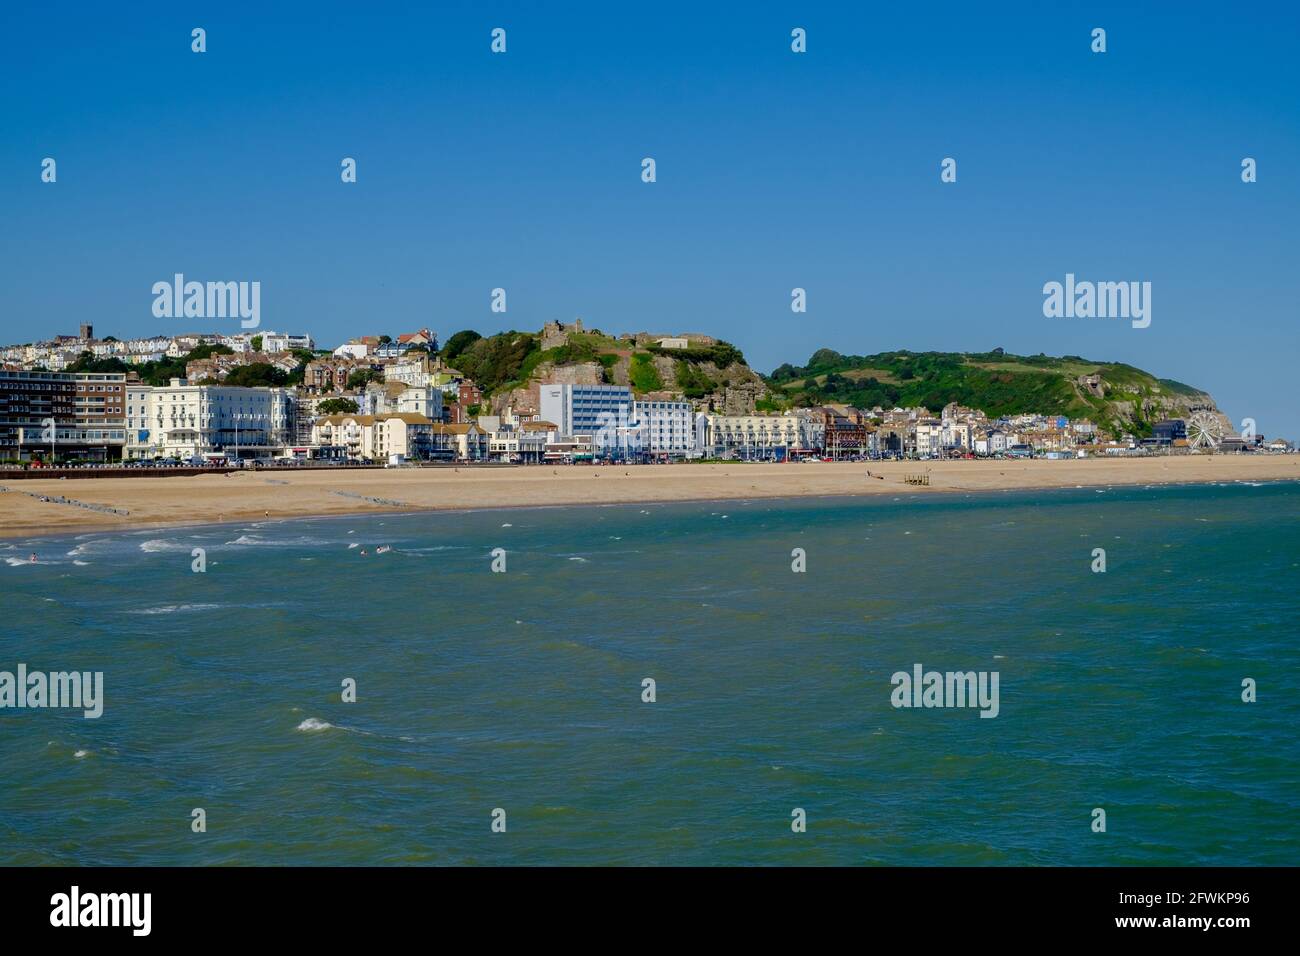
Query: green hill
[(510, 361), (1115, 396)]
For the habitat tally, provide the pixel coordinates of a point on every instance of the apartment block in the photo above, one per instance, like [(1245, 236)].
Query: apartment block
[(586, 409), (87, 410)]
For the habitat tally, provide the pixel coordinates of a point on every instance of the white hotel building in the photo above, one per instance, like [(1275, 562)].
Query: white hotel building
[(667, 429), (756, 436), (189, 421)]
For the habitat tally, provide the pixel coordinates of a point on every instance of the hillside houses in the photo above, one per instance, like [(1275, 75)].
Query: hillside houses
[(378, 396)]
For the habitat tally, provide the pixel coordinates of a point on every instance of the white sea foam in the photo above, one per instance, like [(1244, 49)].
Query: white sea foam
[(156, 545), (253, 540), (313, 724), (175, 608), (84, 548)]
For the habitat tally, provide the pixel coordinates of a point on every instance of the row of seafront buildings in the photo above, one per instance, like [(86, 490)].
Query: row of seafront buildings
[(108, 416), (411, 405)]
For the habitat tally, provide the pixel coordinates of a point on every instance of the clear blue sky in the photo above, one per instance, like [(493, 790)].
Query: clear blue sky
[(775, 170)]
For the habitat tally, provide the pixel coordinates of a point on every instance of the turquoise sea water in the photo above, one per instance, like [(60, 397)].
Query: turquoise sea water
[(522, 690)]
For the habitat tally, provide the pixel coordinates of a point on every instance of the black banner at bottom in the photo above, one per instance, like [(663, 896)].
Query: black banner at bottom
[(333, 906)]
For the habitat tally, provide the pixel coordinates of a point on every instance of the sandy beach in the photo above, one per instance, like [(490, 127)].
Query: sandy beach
[(206, 499)]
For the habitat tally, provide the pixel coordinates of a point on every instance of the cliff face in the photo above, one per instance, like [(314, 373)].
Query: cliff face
[(1159, 404), (524, 398)]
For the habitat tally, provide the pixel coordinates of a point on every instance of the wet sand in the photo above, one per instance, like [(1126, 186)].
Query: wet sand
[(206, 499)]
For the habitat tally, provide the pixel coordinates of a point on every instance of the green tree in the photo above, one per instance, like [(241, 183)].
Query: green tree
[(337, 406), (458, 343), (361, 377), (86, 362), (500, 360), (257, 375)]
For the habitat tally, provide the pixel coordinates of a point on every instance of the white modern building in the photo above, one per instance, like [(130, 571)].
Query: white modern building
[(354, 349), (586, 409), (665, 429), (514, 441), (273, 342)]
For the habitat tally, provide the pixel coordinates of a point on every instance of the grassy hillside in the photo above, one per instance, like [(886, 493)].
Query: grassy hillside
[(508, 360), (1126, 399), (995, 382)]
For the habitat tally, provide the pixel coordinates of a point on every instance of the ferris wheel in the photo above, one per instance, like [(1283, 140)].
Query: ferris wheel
[(1204, 429)]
